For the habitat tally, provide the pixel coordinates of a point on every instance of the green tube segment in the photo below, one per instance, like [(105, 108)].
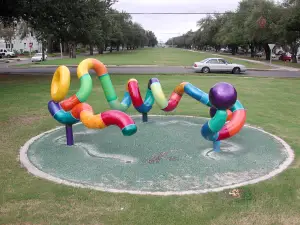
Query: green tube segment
[(149, 98), (111, 96), (86, 86)]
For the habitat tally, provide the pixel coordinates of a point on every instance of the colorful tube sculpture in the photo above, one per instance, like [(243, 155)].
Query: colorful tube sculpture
[(74, 108), (228, 114)]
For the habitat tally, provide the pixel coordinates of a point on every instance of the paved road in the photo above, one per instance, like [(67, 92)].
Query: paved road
[(141, 70)]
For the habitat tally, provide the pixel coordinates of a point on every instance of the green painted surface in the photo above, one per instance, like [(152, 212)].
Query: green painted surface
[(166, 154)]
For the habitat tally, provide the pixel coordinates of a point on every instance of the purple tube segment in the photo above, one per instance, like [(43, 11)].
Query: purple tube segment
[(53, 107), (69, 134)]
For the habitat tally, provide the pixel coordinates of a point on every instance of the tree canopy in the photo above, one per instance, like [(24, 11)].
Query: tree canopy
[(91, 23), (242, 28)]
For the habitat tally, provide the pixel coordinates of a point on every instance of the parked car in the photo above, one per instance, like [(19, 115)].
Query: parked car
[(218, 65), (6, 53), (259, 54), (285, 57), (38, 57)]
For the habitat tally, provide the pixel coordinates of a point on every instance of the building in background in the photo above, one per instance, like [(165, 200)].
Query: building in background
[(13, 41)]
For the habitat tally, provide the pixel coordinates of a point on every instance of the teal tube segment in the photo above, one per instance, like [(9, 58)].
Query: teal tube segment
[(237, 106), (218, 121)]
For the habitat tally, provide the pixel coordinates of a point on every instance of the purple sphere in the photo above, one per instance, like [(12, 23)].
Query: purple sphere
[(223, 95)]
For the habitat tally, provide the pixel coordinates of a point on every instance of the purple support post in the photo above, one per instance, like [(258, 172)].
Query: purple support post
[(69, 134)]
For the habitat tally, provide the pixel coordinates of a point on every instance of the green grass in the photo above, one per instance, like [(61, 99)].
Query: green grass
[(150, 56), (271, 103), (290, 64)]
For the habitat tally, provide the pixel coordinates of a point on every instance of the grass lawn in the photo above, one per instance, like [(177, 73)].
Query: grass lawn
[(290, 64), (150, 56), (29, 200)]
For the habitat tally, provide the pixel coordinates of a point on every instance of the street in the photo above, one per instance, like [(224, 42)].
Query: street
[(155, 70)]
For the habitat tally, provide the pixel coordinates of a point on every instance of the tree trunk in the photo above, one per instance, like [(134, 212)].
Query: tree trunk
[(49, 45), (252, 50), (118, 47), (234, 49), (294, 52), (267, 51), (100, 49), (111, 49), (91, 49), (72, 50), (43, 50), (65, 48)]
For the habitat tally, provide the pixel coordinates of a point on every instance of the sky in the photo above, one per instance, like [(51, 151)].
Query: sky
[(167, 26)]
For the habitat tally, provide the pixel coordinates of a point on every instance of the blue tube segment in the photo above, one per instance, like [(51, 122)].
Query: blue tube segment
[(208, 134), (126, 99), (217, 146), (197, 94), (144, 108), (148, 103), (61, 115)]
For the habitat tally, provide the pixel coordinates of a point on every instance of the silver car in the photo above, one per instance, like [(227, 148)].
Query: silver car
[(218, 65), (38, 57)]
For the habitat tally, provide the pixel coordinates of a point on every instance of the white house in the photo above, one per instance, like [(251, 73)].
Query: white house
[(21, 45)]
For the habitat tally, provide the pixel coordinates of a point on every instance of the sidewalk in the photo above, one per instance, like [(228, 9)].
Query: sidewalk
[(254, 61)]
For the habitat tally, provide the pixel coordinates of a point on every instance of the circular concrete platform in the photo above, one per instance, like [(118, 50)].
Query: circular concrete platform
[(167, 156)]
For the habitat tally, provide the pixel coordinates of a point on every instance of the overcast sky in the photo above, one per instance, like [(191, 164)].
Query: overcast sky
[(166, 26)]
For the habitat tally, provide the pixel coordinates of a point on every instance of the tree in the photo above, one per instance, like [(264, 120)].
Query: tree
[(8, 33), (87, 22), (152, 40), (11, 10), (290, 26)]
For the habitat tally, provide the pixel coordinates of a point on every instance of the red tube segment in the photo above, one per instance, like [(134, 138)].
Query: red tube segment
[(232, 127), (135, 94), (116, 117), (173, 102), (84, 112), (175, 97), (69, 103)]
